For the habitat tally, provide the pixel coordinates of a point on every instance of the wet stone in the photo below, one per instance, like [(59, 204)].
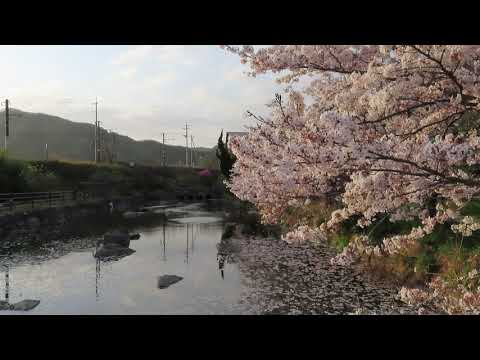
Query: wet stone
[(167, 280), (113, 251), (25, 305)]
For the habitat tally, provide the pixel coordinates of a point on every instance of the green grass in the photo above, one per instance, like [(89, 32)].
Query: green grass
[(341, 241), (120, 179)]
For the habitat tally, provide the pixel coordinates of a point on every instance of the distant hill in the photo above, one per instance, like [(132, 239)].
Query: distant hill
[(68, 140)]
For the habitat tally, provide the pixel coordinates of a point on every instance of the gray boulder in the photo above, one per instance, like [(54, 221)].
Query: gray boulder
[(167, 280), (112, 251), (4, 305), (25, 305), (117, 237)]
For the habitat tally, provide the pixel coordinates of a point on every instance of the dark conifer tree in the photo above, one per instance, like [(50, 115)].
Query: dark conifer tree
[(226, 158)]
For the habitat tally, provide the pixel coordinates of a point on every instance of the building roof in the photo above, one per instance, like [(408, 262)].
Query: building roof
[(237, 133)]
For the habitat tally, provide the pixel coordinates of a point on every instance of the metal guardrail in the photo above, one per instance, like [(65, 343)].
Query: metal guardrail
[(9, 202)]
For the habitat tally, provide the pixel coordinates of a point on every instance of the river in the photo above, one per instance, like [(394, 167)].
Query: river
[(74, 282)]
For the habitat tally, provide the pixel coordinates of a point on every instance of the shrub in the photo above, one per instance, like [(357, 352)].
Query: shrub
[(38, 178)]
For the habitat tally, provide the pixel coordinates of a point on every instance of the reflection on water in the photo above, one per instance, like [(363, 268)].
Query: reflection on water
[(78, 283), (7, 283), (23, 305), (97, 277), (221, 264)]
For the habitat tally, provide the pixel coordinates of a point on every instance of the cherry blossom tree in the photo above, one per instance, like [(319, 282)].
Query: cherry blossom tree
[(386, 130)]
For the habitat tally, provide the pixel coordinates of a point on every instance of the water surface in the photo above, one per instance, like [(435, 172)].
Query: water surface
[(74, 282)]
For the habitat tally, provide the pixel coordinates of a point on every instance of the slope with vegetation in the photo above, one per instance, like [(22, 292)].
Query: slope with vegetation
[(68, 140), (104, 179)]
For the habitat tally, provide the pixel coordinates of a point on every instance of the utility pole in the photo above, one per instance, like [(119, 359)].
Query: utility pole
[(7, 121), (164, 149), (192, 151), (7, 124), (96, 131), (113, 157), (164, 152), (46, 152), (186, 144), (99, 142)]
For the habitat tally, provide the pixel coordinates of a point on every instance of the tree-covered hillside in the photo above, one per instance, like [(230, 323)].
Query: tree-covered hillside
[(68, 140)]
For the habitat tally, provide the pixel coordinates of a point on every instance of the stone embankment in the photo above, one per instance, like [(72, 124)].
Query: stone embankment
[(51, 224)]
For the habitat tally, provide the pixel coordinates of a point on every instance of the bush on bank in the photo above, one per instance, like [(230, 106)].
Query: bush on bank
[(21, 176), (122, 179)]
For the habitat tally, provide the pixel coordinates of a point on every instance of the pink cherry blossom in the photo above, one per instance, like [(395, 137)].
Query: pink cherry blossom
[(377, 130), (380, 129)]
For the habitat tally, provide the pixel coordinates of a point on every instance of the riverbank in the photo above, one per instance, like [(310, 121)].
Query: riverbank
[(282, 278), (104, 180), (40, 227), (285, 279)]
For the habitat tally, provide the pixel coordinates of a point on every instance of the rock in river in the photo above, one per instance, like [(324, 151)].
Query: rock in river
[(117, 237), (23, 305), (4, 305), (113, 250), (167, 280)]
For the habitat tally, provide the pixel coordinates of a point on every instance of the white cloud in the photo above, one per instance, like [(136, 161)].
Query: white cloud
[(142, 90), (134, 55), (128, 73), (160, 80), (170, 53)]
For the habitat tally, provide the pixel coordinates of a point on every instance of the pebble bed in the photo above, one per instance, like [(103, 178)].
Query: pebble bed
[(280, 278)]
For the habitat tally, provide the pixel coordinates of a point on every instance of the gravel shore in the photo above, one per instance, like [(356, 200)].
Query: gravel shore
[(288, 279)]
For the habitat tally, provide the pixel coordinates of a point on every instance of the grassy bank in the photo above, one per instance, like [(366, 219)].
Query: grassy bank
[(443, 254), (114, 179)]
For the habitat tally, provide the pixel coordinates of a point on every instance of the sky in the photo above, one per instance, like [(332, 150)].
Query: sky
[(142, 90)]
